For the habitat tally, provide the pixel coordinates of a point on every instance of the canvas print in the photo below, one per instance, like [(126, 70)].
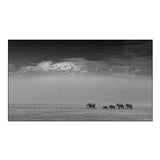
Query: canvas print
[(80, 80)]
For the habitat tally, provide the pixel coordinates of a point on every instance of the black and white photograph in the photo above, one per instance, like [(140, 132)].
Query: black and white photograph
[(80, 80)]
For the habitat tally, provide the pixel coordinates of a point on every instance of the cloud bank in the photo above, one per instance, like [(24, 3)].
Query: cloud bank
[(135, 66)]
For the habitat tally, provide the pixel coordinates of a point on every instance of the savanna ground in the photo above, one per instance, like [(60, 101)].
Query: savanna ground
[(45, 112)]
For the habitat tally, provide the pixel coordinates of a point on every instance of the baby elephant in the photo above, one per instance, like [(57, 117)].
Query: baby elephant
[(105, 107), (112, 107)]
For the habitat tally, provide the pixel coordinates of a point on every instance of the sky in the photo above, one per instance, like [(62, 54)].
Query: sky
[(80, 71)]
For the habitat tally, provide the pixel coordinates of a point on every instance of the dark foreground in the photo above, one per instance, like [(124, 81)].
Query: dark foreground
[(76, 113)]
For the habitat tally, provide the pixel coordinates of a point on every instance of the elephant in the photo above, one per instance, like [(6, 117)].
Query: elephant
[(105, 107), (129, 106), (90, 106), (112, 107), (120, 106)]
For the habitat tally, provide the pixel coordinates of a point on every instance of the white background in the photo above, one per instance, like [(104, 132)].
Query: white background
[(78, 19)]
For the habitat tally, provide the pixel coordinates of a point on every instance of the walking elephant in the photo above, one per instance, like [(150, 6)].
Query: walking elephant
[(120, 106), (129, 106), (90, 106)]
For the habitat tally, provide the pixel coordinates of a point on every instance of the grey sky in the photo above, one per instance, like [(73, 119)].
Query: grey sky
[(79, 89)]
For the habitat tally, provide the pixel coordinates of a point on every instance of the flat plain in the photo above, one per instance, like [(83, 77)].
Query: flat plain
[(43, 112)]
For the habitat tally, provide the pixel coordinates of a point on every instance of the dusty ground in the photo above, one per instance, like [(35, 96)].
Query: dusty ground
[(76, 113)]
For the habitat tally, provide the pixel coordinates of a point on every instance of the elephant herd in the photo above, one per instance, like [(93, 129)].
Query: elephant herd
[(117, 106)]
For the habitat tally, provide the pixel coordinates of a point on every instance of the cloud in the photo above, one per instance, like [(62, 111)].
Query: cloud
[(51, 67), (43, 66), (74, 66)]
